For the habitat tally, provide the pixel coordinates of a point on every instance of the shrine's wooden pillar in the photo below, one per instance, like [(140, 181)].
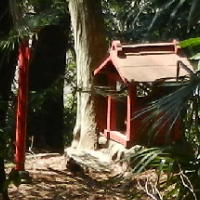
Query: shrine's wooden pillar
[(20, 132), (111, 112), (131, 108)]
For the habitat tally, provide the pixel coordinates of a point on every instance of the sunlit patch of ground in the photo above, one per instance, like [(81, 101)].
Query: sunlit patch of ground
[(52, 181)]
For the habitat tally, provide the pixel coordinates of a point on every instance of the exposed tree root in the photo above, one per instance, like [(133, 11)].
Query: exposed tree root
[(111, 157)]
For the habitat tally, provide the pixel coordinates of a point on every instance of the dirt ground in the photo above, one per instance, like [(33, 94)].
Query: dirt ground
[(52, 181)]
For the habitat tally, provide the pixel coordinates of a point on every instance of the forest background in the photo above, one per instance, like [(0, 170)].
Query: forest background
[(69, 38)]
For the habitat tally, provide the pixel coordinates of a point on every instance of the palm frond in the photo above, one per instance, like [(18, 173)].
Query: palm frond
[(190, 42), (144, 157), (193, 14), (177, 7), (192, 9), (167, 110), (141, 9), (164, 7)]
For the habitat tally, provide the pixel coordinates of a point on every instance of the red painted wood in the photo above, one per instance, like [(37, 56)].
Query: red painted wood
[(116, 136), (115, 68), (101, 108), (129, 111), (109, 113), (102, 65), (113, 114), (21, 105), (111, 109), (133, 103)]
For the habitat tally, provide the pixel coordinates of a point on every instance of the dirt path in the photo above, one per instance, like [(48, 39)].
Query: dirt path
[(52, 181)]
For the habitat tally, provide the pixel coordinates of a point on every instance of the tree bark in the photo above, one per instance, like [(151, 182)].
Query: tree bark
[(47, 70), (90, 47)]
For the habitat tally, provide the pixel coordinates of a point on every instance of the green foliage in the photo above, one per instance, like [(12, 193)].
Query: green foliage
[(13, 178), (180, 166), (190, 42), (146, 158), (70, 90), (196, 57), (10, 42), (29, 17), (7, 129), (192, 45), (3, 139), (151, 20), (69, 119)]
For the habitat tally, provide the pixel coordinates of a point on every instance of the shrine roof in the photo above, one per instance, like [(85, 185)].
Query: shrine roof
[(145, 62)]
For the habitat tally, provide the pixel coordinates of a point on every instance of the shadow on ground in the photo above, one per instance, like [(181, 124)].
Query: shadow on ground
[(51, 181)]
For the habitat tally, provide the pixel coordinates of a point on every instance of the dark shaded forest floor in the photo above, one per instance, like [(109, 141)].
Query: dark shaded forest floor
[(52, 181)]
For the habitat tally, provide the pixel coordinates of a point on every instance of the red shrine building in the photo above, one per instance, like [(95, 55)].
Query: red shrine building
[(131, 76)]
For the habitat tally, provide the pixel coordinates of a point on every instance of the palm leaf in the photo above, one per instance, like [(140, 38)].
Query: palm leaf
[(167, 109), (190, 42), (193, 11), (196, 56), (144, 158), (139, 12), (175, 10), (164, 7)]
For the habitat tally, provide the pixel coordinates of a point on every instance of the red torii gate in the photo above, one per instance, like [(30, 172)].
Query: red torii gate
[(21, 111)]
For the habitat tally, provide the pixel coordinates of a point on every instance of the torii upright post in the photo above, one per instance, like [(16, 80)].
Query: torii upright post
[(20, 131)]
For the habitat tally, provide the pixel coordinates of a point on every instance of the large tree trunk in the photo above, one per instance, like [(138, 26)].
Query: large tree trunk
[(47, 70), (90, 47), (7, 68)]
